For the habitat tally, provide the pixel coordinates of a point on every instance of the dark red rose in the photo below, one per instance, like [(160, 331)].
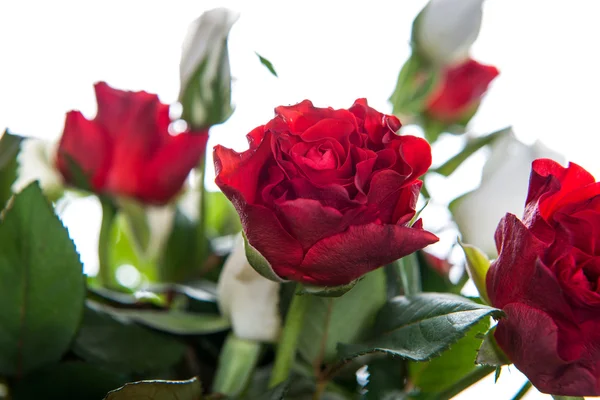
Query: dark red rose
[(327, 195), (547, 280), (127, 149), (460, 91)]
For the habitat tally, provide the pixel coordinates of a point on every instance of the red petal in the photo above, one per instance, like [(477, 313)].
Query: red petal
[(531, 339), (340, 259), (85, 143)]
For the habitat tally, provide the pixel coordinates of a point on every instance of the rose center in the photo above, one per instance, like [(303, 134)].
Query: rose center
[(321, 158)]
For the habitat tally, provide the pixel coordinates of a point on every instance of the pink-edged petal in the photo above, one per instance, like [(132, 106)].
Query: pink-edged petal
[(86, 144), (340, 259)]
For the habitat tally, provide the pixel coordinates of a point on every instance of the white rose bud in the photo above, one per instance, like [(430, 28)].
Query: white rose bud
[(446, 29), (205, 75), (37, 162), (503, 189), (248, 299)]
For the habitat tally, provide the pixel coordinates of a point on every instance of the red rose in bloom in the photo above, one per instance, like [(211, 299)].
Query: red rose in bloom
[(327, 195), (127, 149), (547, 280), (461, 90)]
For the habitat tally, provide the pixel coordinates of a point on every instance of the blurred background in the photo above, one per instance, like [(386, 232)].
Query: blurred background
[(331, 52)]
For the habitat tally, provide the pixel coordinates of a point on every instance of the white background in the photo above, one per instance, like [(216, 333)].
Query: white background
[(332, 52)]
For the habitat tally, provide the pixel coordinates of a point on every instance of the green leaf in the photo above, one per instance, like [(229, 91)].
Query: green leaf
[(490, 353), (556, 397), (158, 390), (174, 321), (441, 373), (470, 148), (267, 64), (416, 80), (42, 287), (70, 380), (222, 219), (122, 345), (347, 319), (431, 279), (420, 327), (477, 267), (386, 379), (9, 150), (177, 262), (277, 393)]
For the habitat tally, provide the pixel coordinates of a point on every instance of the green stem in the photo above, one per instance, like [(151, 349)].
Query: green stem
[(201, 240), (237, 362), (521, 393), (286, 351), (105, 274), (473, 377)]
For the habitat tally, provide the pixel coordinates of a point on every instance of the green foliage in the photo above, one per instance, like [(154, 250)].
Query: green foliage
[(9, 150), (267, 64), (477, 267), (177, 262), (345, 319), (416, 80), (386, 379), (470, 148), (69, 380), (41, 285), (490, 353), (158, 390), (420, 327), (442, 372), (122, 345)]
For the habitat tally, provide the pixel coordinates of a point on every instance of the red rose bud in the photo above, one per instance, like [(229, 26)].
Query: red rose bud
[(326, 195), (127, 150), (460, 91), (547, 281)]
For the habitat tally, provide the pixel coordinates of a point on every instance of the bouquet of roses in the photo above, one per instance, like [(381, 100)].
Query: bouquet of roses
[(309, 274)]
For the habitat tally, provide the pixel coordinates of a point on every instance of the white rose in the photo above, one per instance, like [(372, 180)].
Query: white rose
[(248, 299), (446, 29), (37, 162), (205, 74), (503, 189)]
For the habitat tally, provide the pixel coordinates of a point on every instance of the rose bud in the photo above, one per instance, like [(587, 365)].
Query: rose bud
[(248, 299), (127, 150), (547, 281), (460, 91), (446, 29), (205, 90), (502, 190), (326, 195)]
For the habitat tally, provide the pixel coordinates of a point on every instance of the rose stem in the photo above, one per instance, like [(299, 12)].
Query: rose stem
[(286, 350), (521, 393), (473, 377), (237, 362), (105, 275)]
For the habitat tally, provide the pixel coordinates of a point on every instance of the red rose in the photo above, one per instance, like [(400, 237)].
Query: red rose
[(547, 280), (460, 91), (127, 149), (327, 195)]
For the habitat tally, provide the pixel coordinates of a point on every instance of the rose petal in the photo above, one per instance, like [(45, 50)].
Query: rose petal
[(85, 143), (531, 340), (340, 259)]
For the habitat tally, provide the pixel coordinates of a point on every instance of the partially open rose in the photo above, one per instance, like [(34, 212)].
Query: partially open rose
[(547, 281), (327, 195), (127, 150)]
